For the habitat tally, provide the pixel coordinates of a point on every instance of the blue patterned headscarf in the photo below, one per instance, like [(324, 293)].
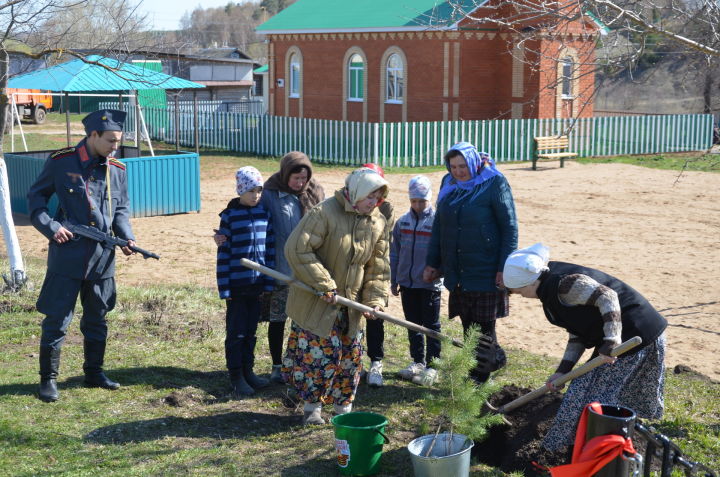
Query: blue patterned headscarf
[(482, 169)]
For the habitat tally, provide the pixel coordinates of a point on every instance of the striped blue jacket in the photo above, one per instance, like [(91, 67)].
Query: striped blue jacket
[(250, 236)]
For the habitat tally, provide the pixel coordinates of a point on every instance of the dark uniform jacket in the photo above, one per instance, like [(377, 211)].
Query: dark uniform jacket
[(638, 316), (79, 181)]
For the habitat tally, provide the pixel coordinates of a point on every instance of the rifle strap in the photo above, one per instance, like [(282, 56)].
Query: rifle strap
[(109, 195)]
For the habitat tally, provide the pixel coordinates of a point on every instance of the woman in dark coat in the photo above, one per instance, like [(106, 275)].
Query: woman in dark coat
[(475, 229), (598, 311)]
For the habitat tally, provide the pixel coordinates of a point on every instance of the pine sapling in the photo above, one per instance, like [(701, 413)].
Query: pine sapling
[(457, 401)]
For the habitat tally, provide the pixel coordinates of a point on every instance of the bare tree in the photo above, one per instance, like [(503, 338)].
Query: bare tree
[(628, 33), (45, 29)]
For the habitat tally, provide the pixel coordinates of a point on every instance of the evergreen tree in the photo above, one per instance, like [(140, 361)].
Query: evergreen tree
[(457, 401)]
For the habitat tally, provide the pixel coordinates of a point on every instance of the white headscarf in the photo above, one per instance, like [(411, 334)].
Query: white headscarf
[(525, 265), (363, 182)]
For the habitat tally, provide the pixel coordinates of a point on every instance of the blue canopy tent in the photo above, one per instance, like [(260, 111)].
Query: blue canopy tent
[(169, 184), (98, 73)]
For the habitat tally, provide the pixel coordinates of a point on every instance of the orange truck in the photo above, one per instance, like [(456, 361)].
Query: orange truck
[(31, 106)]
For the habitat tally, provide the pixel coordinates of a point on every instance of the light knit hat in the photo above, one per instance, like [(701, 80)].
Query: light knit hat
[(363, 182), (525, 265), (247, 178), (420, 188)]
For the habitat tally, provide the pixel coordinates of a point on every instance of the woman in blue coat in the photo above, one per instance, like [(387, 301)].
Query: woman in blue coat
[(475, 230)]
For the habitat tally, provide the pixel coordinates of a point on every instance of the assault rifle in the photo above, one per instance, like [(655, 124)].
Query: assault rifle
[(107, 240)]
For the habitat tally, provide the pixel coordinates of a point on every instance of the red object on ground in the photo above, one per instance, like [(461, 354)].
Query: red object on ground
[(589, 457)]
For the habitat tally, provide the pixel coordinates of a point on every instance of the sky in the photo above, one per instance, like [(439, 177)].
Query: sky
[(166, 14)]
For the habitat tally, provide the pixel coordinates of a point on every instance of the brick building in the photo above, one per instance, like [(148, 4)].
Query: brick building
[(421, 60)]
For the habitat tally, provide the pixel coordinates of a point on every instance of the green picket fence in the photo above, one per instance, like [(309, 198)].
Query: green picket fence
[(424, 143)]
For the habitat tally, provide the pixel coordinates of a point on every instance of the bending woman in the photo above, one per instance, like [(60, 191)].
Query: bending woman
[(598, 311), (340, 246)]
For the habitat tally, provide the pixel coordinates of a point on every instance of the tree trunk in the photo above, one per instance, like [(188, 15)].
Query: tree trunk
[(17, 271)]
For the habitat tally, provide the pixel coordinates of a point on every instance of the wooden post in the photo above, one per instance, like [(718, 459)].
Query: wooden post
[(195, 122), (177, 122), (67, 116), (137, 121)]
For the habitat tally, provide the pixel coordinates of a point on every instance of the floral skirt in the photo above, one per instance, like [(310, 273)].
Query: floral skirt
[(323, 369), (635, 381)]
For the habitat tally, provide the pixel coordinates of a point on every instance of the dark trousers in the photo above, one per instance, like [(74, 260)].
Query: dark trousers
[(57, 302), (241, 322), (486, 327), (276, 332), (375, 330), (422, 307)]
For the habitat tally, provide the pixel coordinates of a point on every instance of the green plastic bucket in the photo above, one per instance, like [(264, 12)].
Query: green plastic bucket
[(359, 439)]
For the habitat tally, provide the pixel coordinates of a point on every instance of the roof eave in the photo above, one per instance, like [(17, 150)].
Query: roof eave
[(359, 30)]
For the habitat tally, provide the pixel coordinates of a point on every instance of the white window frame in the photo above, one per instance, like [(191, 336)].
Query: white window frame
[(353, 71), (567, 77), (294, 79), (395, 99)]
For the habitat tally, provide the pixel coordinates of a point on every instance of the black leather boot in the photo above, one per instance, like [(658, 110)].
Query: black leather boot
[(93, 367), (49, 367), (249, 363)]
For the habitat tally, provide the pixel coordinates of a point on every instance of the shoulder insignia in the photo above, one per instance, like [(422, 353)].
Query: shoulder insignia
[(117, 163), (62, 153)]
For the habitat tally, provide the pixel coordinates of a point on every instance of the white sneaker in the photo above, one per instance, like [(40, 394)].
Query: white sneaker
[(374, 376), (414, 369), (342, 408), (427, 378)]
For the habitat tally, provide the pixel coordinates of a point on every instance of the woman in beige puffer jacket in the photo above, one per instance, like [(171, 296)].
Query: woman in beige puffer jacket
[(339, 247)]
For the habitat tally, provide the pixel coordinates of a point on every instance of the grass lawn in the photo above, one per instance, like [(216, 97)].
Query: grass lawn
[(173, 415)]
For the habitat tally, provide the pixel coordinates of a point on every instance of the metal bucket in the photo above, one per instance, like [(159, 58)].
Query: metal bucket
[(448, 458)]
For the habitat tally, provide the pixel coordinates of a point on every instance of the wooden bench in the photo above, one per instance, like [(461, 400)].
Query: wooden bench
[(552, 143)]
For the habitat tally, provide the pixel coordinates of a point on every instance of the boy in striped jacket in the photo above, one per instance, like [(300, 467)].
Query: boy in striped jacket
[(246, 226), (420, 300)]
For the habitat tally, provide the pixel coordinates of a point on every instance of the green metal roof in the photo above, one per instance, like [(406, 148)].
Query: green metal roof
[(78, 75), (261, 69), (308, 16)]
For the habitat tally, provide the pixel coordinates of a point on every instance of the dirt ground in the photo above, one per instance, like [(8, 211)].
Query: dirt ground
[(654, 229)]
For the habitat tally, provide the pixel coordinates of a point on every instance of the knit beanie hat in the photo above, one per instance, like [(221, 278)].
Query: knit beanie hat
[(420, 188), (525, 265), (247, 178), (363, 182)]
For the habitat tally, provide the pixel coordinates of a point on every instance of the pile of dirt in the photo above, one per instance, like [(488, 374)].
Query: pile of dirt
[(514, 447)]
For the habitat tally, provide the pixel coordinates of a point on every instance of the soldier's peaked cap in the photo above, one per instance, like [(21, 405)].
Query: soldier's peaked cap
[(104, 120)]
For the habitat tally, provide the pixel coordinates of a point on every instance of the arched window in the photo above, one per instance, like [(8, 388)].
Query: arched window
[(356, 72), (294, 90), (395, 84), (566, 77)]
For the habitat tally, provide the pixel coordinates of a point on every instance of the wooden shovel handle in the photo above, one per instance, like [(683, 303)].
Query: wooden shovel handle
[(349, 303), (585, 368)]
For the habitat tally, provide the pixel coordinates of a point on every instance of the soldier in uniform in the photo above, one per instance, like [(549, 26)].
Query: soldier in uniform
[(92, 190)]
